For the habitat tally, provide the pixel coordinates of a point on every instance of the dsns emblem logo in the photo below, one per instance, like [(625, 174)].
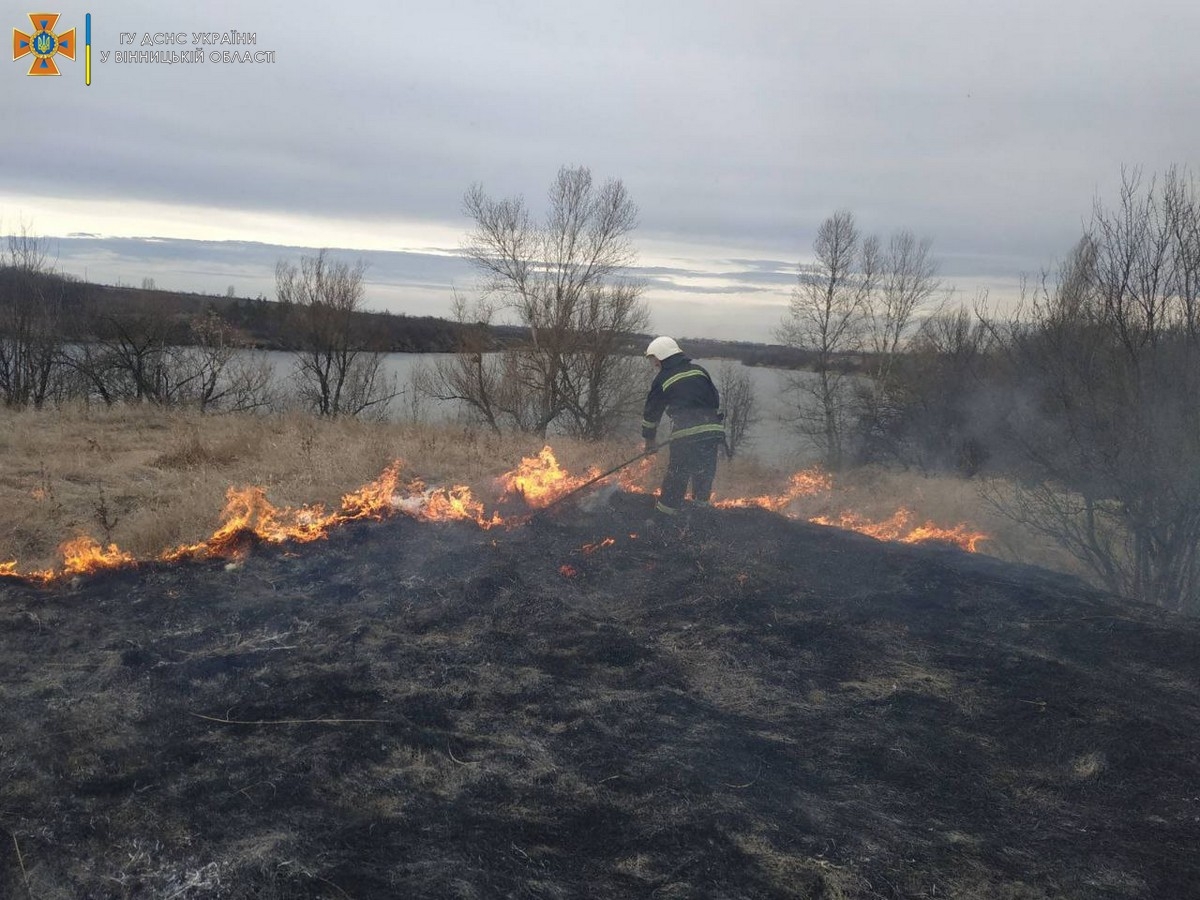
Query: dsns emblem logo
[(44, 44)]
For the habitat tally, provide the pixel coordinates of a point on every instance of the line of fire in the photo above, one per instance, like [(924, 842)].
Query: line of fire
[(250, 519)]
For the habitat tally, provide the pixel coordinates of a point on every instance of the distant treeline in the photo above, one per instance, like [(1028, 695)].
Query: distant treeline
[(267, 325), (82, 309), (264, 324), (775, 356)]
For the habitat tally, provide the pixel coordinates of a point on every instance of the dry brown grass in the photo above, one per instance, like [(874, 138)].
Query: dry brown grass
[(148, 479), (946, 501)]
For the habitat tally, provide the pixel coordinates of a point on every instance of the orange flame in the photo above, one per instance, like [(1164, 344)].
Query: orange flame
[(249, 516), (540, 480), (960, 535), (81, 556), (84, 555), (802, 484), (372, 500), (568, 571), (897, 528), (633, 479), (450, 504)]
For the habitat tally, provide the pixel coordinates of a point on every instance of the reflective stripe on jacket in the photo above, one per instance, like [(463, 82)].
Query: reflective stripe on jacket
[(686, 393)]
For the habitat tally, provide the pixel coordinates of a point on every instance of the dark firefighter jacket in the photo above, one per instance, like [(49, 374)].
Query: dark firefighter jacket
[(686, 393)]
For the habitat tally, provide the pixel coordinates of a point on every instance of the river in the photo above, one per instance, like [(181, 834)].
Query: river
[(771, 441)]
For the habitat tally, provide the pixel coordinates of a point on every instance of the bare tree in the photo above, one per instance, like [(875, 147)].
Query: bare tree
[(892, 309), (1106, 372), (603, 384), (562, 280), (213, 372), (908, 281), (131, 357), (474, 375), (938, 398), (135, 350), (738, 403), (826, 318), (95, 371), (337, 371), (209, 356), (31, 312)]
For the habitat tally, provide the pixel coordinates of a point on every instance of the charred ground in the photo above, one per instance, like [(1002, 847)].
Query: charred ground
[(753, 708)]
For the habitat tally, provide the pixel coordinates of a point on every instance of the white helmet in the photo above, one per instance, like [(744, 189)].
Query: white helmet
[(662, 348)]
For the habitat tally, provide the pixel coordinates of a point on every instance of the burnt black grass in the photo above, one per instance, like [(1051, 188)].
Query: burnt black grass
[(744, 707)]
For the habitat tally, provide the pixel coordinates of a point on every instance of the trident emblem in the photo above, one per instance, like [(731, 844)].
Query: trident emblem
[(44, 44)]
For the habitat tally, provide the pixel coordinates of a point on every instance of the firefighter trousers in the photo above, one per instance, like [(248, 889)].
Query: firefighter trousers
[(691, 462)]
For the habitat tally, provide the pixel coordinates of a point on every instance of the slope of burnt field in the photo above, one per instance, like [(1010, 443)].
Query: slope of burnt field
[(755, 708)]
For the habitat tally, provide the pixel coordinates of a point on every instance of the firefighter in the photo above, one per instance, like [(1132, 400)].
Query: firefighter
[(686, 393)]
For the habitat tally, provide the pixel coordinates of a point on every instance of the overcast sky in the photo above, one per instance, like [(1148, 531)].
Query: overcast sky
[(736, 127)]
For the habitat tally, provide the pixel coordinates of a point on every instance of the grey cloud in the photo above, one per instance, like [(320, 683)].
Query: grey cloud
[(989, 129)]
